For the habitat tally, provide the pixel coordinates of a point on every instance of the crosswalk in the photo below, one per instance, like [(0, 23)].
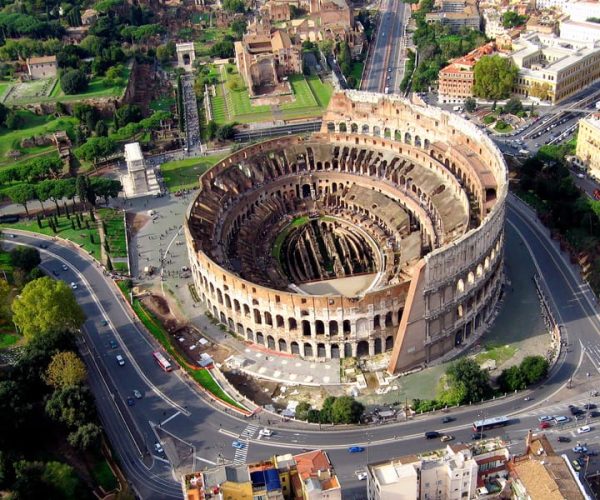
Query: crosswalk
[(240, 455), (559, 408)]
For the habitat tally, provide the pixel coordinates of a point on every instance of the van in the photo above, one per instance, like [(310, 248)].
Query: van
[(432, 435), (120, 360)]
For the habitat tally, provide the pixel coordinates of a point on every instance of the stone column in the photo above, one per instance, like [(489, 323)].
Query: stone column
[(371, 347)]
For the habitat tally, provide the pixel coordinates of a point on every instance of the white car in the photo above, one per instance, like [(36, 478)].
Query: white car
[(584, 429), (158, 447), (64, 267), (545, 418), (361, 475), (560, 419), (265, 432), (120, 360), (73, 285)]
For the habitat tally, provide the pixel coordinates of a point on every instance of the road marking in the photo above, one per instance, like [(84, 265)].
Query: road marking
[(228, 433), (170, 418), (210, 462)]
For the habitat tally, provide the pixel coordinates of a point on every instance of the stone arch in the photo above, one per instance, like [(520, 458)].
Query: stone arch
[(354, 128), (479, 270), (362, 349), (333, 328), (460, 286), (365, 129), (376, 131), (407, 138), (347, 350), (306, 191), (249, 335), (212, 289), (308, 350), (246, 310), (362, 327), (227, 301), (398, 135), (346, 326), (330, 127), (239, 328), (282, 345), (319, 327), (257, 318), (215, 312), (271, 342), (486, 263), (236, 305), (389, 320), (470, 278), (306, 330), (376, 321), (417, 141), (377, 346), (426, 144), (294, 347), (335, 351), (343, 127), (260, 338), (223, 318), (279, 321), (389, 342), (268, 318), (321, 352), (292, 324), (387, 133)]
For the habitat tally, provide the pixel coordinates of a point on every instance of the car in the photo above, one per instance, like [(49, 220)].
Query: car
[(73, 285), (528, 398), (580, 449), (43, 245), (64, 267), (584, 429), (356, 449), (477, 436), (446, 420), (446, 438), (544, 425), (130, 401), (237, 445), (389, 70), (564, 439), (113, 344), (591, 453), (590, 406), (55, 272), (104, 322), (432, 435), (576, 465), (137, 394), (265, 432), (361, 475), (158, 448), (595, 414), (120, 360), (545, 418), (576, 412), (559, 419)]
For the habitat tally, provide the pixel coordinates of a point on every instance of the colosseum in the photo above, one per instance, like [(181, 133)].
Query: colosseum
[(383, 232)]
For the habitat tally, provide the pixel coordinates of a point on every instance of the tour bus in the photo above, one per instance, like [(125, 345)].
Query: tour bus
[(490, 423), (162, 361)]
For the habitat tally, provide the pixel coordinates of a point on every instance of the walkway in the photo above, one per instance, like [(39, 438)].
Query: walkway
[(192, 120)]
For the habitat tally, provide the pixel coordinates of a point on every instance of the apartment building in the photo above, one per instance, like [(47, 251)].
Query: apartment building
[(588, 144), (455, 81), (580, 31), (581, 11), (456, 14), (552, 68)]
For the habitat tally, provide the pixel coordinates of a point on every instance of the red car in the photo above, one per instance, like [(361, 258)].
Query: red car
[(544, 425)]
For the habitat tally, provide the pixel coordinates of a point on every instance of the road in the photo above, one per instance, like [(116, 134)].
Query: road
[(193, 424), (385, 65)]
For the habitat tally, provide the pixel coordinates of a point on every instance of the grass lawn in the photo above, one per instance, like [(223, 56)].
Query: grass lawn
[(5, 263), (162, 104), (203, 377), (303, 93), (80, 237), (3, 87), (33, 125), (8, 339), (499, 354), (357, 71), (115, 231), (183, 174)]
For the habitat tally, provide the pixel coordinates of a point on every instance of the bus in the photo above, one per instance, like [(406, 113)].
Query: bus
[(162, 361), (490, 423)]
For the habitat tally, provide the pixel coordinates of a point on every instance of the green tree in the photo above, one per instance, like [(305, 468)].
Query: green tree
[(128, 113), (21, 194), (494, 77), (13, 121), (511, 19), (5, 299), (225, 132), (470, 104), (65, 369), (513, 106), (25, 258), (51, 480), (467, 382), (234, 5), (302, 410), (534, 368), (238, 27), (3, 114), (72, 406), (327, 408), (346, 410), (211, 129), (96, 147), (73, 81), (85, 437), (166, 52), (512, 379), (45, 305), (101, 128)]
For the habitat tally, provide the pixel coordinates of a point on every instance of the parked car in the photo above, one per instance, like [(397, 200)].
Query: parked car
[(356, 449), (576, 465), (545, 418), (584, 429), (64, 267), (478, 435), (590, 406), (265, 432), (73, 285), (564, 439), (544, 425), (158, 448), (361, 475), (580, 449)]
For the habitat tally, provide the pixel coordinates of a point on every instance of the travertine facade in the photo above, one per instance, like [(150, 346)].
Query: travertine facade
[(588, 144), (403, 204)]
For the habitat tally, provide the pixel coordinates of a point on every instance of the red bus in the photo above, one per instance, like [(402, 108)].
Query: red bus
[(162, 361)]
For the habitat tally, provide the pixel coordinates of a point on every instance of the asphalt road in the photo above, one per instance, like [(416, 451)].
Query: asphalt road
[(385, 65), (190, 423)]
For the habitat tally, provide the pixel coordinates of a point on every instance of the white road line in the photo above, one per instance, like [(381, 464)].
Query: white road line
[(170, 418), (210, 462)]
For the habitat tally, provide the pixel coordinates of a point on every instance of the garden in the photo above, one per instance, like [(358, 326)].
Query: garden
[(183, 174)]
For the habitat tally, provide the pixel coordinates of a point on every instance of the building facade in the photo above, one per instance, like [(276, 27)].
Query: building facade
[(580, 31), (383, 232), (588, 144), (456, 15), (42, 67)]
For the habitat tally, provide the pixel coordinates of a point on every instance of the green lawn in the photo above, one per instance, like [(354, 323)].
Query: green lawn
[(103, 475), (203, 377), (33, 125), (5, 262), (3, 87), (357, 71), (311, 98), (115, 231), (499, 354), (8, 339), (183, 174)]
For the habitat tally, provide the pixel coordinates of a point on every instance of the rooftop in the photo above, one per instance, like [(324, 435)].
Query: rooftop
[(41, 60)]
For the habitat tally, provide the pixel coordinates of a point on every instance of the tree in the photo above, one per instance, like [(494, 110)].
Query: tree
[(346, 410), (107, 188), (65, 369), (223, 49), (96, 147), (85, 437), (234, 5), (510, 19), (13, 121), (470, 104), (534, 368), (46, 305), (51, 480), (21, 194), (238, 27), (166, 53), (101, 129), (225, 132), (25, 258), (128, 113), (73, 81), (72, 406), (494, 77), (512, 379), (466, 383), (3, 114), (302, 410), (211, 129), (541, 91), (513, 106), (5, 299)]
